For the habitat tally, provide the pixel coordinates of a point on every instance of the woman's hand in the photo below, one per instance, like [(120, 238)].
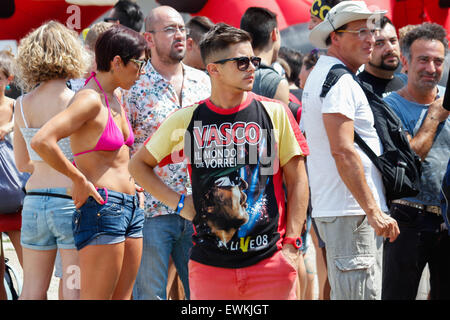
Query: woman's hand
[(81, 191), (141, 196)]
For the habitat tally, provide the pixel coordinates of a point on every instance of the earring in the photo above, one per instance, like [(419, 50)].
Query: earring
[(8, 87)]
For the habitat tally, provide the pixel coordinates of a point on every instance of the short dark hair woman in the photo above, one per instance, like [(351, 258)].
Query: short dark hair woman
[(108, 222)]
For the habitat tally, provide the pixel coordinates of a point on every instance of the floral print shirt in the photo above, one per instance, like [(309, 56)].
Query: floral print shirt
[(148, 103)]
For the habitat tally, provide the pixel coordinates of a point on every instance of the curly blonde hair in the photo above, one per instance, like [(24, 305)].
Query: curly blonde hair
[(7, 64), (49, 52)]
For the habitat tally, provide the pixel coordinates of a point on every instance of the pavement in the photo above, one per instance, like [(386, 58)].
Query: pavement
[(52, 293)]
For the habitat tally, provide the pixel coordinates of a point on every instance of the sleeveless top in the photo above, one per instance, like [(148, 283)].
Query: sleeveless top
[(29, 133)]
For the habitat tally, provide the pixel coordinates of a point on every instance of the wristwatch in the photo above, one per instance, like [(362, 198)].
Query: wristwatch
[(296, 242), (180, 204)]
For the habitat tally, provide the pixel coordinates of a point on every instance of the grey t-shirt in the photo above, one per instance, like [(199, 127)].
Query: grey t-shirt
[(266, 81)]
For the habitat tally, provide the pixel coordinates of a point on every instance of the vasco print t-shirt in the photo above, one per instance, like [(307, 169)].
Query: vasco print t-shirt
[(235, 159)]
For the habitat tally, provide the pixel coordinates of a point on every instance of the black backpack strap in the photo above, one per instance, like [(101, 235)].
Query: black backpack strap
[(366, 149), (335, 73)]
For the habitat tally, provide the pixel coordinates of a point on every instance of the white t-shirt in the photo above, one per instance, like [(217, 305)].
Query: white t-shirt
[(329, 195)]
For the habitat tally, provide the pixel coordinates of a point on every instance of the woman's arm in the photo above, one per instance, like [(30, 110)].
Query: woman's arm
[(21, 156)]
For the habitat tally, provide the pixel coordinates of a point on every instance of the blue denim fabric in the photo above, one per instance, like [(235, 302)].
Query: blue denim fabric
[(46, 221), (119, 217), (421, 241), (164, 236)]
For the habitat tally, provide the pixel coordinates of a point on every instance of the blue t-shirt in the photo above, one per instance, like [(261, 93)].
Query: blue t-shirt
[(435, 164)]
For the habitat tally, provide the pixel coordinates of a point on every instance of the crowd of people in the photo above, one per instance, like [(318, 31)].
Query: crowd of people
[(202, 161)]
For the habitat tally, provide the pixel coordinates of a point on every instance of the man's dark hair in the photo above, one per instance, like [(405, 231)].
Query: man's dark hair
[(294, 59), (220, 37), (198, 26), (259, 22), (384, 21), (426, 31), (129, 14), (118, 41)]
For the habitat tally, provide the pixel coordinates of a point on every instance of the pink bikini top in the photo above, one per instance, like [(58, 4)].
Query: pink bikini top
[(112, 137)]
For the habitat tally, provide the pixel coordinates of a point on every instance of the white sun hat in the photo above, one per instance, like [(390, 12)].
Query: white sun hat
[(341, 14)]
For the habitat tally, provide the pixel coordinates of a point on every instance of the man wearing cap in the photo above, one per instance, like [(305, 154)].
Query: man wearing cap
[(319, 10), (346, 189)]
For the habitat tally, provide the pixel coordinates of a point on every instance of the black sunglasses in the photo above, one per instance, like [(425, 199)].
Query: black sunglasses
[(110, 19), (243, 63)]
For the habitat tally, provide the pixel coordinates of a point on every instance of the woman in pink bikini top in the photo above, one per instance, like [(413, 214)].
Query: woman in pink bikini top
[(108, 223), (112, 137)]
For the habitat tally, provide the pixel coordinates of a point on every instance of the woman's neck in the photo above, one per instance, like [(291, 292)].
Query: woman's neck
[(107, 82)]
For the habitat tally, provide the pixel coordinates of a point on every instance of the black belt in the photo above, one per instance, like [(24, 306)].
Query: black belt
[(432, 209), (56, 195)]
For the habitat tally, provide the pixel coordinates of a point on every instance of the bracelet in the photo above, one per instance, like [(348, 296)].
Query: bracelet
[(180, 204)]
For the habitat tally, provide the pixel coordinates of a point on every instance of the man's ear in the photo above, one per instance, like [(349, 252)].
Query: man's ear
[(404, 62), (334, 36), (212, 69), (149, 37), (274, 35), (189, 44)]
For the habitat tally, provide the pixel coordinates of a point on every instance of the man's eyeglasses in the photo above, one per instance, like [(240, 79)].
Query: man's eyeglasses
[(170, 31), (243, 63), (363, 33), (141, 63)]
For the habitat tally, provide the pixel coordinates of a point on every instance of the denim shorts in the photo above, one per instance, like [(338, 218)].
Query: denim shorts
[(119, 218), (46, 220)]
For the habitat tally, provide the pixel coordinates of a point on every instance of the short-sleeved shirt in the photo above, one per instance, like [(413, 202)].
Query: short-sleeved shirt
[(235, 159), (412, 116), (266, 81), (329, 195), (148, 103)]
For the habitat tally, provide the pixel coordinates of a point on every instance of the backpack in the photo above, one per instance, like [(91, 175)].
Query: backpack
[(12, 181), (399, 165)]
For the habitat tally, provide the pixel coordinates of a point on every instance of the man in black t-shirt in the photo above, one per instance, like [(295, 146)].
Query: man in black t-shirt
[(246, 164), (380, 71)]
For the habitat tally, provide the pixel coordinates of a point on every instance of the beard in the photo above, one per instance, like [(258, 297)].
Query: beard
[(385, 66), (174, 56)]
